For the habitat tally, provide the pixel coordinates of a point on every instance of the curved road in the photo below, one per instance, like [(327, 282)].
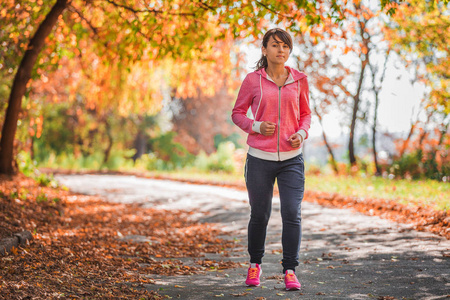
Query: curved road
[(344, 254)]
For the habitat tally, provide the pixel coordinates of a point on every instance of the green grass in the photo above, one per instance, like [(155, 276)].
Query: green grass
[(428, 193)]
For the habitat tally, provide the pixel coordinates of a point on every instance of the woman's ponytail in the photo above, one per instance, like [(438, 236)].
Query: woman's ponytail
[(262, 63)]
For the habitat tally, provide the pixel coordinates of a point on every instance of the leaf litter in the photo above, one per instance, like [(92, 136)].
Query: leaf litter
[(80, 249)]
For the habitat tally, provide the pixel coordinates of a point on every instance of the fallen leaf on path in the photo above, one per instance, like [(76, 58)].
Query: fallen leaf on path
[(424, 218), (240, 294), (77, 252)]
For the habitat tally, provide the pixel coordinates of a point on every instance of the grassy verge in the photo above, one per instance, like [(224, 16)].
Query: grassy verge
[(429, 193)]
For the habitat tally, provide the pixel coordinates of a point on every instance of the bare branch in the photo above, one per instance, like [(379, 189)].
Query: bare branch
[(148, 10), (133, 10), (206, 6), (374, 71), (80, 14), (344, 89), (272, 10)]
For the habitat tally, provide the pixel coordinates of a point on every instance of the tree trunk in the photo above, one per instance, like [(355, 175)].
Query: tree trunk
[(424, 133), (374, 141), (377, 90), (356, 100), (140, 143), (32, 153), (408, 138), (357, 97), (18, 89), (422, 137), (110, 142), (443, 134), (330, 150)]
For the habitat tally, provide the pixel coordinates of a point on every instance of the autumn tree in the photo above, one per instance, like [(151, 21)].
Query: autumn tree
[(324, 72), (19, 85), (414, 78), (98, 96), (358, 42), (122, 33), (363, 43), (377, 81), (203, 91), (419, 32), (336, 57)]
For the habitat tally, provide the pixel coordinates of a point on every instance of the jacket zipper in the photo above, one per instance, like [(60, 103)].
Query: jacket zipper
[(279, 122)]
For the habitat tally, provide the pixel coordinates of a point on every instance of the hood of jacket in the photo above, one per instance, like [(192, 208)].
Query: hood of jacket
[(294, 74)]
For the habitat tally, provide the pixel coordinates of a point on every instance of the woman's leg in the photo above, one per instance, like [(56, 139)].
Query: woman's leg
[(259, 178), (291, 182)]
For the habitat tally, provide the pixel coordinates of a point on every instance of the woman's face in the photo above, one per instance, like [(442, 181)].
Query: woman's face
[(277, 52)]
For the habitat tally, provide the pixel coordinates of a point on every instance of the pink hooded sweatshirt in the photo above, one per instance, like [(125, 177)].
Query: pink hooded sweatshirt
[(286, 106)]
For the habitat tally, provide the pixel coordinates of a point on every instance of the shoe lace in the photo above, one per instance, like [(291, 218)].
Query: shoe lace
[(290, 277), (253, 273)]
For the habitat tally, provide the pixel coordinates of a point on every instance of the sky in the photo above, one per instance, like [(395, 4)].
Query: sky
[(399, 100)]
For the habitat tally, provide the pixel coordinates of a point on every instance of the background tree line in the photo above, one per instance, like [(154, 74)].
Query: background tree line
[(115, 83)]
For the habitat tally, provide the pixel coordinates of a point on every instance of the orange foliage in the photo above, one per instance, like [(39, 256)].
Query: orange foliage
[(83, 246), (419, 31), (206, 88)]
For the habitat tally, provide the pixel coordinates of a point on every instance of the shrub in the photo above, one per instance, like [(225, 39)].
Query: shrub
[(28, 167), (222, 160), (419, 165), (408, 165), (169, 154)]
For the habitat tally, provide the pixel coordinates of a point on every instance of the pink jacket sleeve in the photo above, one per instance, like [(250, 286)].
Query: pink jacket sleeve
[(243, 102), (305, 111)]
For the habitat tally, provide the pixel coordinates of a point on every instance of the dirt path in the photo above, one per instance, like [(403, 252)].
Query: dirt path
[(344, 254)]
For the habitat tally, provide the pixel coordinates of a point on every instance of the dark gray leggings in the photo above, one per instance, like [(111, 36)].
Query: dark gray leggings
[(260, 177)]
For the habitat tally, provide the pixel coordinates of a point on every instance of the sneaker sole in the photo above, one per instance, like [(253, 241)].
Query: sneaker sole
[(293, 289)]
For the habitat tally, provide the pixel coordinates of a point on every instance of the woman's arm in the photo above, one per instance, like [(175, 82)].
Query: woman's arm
[(243, 102), (305, 111)]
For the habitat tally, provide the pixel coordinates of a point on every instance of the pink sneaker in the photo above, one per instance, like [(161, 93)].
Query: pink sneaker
[(291, 281), (254, 271)]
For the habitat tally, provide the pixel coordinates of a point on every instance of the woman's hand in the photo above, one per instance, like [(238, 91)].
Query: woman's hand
[(296, 140), (267, 128)]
